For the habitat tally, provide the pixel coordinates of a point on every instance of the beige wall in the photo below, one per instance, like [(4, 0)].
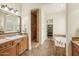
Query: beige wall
[(43, 26), (1, 20), (59, 22), (73, 11)]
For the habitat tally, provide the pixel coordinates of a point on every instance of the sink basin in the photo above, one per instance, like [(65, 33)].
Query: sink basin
[(13, 37)]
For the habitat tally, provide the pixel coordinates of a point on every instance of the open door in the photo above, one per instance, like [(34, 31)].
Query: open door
[(35, 28)]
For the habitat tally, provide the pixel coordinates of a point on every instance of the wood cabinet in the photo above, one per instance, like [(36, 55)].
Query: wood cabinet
[(7, 49), (15, 47), (17, 42), (60, 51), (7, 44), (75, 49), (22, 45)]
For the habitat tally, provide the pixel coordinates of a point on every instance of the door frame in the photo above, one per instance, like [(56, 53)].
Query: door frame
[(38, 26)]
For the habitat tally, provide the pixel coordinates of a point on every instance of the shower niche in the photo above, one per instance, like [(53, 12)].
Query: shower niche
[(50, 28)]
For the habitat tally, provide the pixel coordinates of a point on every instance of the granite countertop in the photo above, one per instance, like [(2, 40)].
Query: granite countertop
[(76, 42), (4, 41), (10, 38)]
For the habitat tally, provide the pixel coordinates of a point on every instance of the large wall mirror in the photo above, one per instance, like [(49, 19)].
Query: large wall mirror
[(9, 23)]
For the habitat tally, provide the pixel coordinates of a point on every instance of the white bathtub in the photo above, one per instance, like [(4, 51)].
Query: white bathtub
[(60, 41)]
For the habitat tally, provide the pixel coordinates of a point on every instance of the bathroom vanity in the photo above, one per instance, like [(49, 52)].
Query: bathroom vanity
[(13, 45)]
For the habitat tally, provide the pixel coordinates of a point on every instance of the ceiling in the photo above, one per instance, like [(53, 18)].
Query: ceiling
[(54, 8), (48, 7)]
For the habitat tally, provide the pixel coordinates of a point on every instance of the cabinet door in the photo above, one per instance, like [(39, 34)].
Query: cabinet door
[(5, 45), (75, 50), (22, 45), (10, 51)]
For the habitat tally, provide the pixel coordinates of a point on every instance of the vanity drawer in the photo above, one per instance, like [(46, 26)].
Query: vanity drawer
[(16, 41), (7, 44)]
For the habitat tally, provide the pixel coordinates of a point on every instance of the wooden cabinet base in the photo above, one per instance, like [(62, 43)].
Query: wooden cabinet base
[(75, 50), (22, 45), (13, 48), (11, 51)]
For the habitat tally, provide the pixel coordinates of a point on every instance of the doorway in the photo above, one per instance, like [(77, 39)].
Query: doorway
[(35, 28)]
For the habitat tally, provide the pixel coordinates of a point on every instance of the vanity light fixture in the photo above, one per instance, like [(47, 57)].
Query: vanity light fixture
[(6, 8), (16, 12), (2, 6), (11, 10)]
